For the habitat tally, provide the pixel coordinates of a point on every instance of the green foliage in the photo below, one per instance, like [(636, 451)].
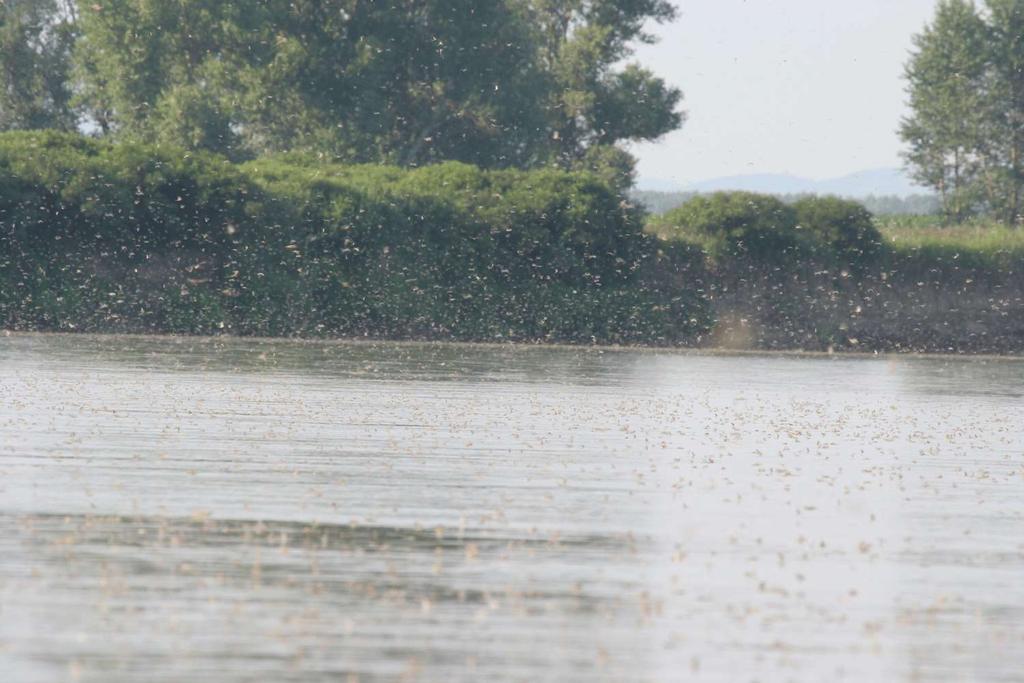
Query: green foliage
[(738, 229), (93, 235), (925, 287), (589, 100), (103, 236), (839, 228), (988, 239), (611, 164), (879, 205), (737, 226), (36, 38), (510, 84), (517, 83), (965, 133), (1006, 108)]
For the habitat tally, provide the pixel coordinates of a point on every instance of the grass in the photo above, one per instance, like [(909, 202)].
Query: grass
[(914, 233), (980, 237)]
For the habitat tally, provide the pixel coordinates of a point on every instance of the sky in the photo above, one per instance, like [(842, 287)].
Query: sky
[(812, 88)]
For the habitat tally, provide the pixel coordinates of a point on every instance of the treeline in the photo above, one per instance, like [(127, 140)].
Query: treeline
[(423, 170), (96, 236), (105, 237), (965, 131), (879, 205), (500, 84)]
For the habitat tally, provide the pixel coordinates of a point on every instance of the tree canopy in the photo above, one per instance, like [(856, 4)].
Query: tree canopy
[(505, 83), (36, 37), (965, 133)]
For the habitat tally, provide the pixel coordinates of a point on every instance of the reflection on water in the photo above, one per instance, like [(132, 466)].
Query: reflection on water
[(181, 509)]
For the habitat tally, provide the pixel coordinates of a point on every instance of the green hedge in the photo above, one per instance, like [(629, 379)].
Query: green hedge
[(743, 229), (103, 237), (821, 274)]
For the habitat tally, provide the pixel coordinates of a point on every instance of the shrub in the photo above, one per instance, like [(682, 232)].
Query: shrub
[(839, 229), (737, 226), (107, 237), (94, 235)]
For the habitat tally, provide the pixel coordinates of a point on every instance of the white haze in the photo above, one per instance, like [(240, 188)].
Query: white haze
[(809, 88)]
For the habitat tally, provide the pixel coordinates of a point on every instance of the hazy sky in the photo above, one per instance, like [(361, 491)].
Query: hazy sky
[(813, 88)]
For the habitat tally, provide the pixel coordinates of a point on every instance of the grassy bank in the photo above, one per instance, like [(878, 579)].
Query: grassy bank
[(130, 238), (915, 286), (981, 238), (127, 238)]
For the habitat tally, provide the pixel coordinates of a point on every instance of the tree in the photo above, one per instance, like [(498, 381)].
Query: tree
[(403, 81), (741, 227), (945, 131), (36, 37), (1006, 31), (965, 133), (590, 102), (167, 70), (505, 83), (839, 229)]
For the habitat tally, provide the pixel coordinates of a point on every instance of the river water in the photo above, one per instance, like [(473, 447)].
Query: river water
[(238, 510)]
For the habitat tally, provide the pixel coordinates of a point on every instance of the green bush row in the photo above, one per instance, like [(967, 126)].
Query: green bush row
[(97, 236), (741, 232), (822, 273), (744, 228)]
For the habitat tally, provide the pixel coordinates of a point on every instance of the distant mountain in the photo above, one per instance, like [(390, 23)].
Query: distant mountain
[(880, 181), (765, 183), (657, 185)]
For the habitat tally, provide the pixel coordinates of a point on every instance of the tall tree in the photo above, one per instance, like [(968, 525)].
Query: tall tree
[(402, 81), (167, 70), (498, 83), (947, 82), (965, 134), (1006, 106), (591, 102), (36, 37)]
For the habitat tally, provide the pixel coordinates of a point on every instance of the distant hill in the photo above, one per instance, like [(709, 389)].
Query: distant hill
[(891, 182)]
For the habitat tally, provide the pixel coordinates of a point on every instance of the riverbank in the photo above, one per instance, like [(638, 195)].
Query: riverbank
[(105, 238), (255, 347), (894, 284), (926, 300), (131, 238), (895, 314)]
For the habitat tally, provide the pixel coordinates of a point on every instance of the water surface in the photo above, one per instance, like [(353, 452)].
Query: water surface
[(233, 510)]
